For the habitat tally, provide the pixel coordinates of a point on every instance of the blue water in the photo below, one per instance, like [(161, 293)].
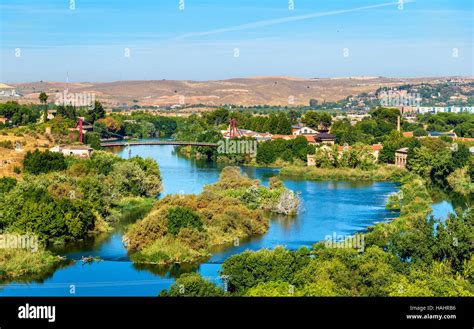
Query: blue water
[(442, 209), (340, 208)]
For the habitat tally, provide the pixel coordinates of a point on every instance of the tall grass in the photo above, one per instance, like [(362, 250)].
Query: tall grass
[(167, 251), (25, 265), (382, 173)]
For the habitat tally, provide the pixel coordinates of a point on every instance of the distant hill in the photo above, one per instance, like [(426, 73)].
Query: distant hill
[(240, 91)]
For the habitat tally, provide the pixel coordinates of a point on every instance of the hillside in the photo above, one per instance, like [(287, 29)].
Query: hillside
[(240, 91)]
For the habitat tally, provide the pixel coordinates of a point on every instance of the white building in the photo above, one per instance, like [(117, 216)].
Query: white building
[(81, 151), (443, 109), (298, 130)]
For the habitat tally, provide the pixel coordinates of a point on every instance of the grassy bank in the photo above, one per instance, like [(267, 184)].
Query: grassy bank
[(131, 208), (66, 198), (23, 265), (413, 255), (183, 228), (382, 173)]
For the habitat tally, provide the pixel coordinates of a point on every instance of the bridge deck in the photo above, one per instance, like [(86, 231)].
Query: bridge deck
[(183, 143)]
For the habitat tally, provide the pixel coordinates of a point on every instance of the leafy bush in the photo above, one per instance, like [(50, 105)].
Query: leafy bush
[(37, 162), (52, 219), (410, 256), (193, 285), (181, 217), (168, 251), (138, 177), (195, 223), (248, 269), (7, 144), (70, 204), (7, 184), (23, 265), (292, 150)]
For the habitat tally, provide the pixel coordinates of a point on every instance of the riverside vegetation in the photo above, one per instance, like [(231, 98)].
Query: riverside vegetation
[(183, 228), (413, 255), (62, 199), (22, 265), (409, 256)]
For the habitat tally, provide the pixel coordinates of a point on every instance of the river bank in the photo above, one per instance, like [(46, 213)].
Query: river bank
[(381, 173), (184, 228), (416, 254), (339, 210), (22, 265)]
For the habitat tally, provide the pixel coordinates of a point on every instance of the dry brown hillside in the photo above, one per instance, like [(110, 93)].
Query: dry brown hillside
[(12, 157), (240, 91)]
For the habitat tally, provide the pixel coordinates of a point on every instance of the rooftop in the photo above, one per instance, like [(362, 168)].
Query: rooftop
[(76, 147), (324, 136), (438, 134), (375, 147)]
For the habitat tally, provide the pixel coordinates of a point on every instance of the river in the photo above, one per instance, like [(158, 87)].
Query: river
[(340, 208)]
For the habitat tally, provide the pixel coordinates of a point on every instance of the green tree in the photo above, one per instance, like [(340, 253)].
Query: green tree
[(313, 103), (420, 132), (217, 117), (266, 152), (181, 217), (271, 289), (271, 124), (461, 156), (316, 120), (383, 114), (37, 162), (248, 269), (284, 124), (193, 285), (454, 240), (93, 139), (209, 136), (293, 116), (460, 182), (7, 184), (67, 111), (43, 97), (96, 113)]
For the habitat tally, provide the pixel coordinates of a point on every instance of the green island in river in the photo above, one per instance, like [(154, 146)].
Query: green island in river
[(182, 228), (61, 199)]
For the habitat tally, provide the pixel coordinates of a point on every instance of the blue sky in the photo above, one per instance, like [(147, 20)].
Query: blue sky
[(219, 39)]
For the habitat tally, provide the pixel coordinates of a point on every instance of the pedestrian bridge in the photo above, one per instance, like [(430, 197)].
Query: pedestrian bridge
[(178, 143)]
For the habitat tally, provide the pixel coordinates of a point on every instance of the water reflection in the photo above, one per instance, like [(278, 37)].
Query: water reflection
[(341, 207)]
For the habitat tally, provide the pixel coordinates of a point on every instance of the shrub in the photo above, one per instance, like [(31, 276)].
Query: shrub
[(168, 250), (7, 144), (271, 289), (7, 184), (37, 162), (145, 231), (181, 217), (23, 265), (193, 285)]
